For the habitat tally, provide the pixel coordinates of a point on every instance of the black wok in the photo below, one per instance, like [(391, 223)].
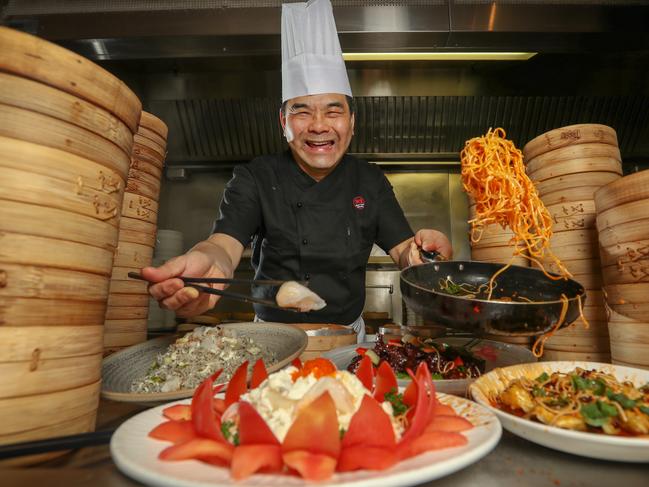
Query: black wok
[(421, 292)]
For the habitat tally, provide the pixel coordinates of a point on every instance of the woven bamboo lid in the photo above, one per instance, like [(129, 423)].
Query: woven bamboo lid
[(152, 122), (571, 135), (40, 60)]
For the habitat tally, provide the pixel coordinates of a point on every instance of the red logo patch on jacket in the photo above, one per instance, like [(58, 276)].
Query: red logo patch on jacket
[(358, 202)]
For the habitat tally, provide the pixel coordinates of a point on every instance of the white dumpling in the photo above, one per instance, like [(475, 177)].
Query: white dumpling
[(294, 295)]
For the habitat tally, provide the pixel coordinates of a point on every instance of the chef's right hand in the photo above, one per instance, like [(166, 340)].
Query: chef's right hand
[(171, 293)]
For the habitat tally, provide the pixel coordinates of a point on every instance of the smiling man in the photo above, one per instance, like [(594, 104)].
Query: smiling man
[(312, 213)]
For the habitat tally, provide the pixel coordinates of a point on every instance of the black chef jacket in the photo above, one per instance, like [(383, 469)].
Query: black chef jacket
[(321, 232)]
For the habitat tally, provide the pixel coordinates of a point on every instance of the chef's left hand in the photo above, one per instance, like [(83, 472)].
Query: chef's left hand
[(430, 240)]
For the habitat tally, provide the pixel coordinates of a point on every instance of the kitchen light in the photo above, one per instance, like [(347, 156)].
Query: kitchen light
[(438, 56)]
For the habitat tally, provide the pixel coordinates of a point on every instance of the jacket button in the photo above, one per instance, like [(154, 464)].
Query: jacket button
[(299, 204), (305, 241)]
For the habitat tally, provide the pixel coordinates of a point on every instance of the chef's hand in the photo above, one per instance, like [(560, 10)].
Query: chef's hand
[(171, 293), (428, 240)]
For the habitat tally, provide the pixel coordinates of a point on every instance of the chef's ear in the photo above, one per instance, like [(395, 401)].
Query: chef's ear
[(283, 122), (353, 120)]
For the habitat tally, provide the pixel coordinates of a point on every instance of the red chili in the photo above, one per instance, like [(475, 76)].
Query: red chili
[(458, 361), (476, 309), (361, 351), (395, 341)]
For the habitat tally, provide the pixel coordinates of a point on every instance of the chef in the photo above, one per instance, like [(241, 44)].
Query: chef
[(312, 213)]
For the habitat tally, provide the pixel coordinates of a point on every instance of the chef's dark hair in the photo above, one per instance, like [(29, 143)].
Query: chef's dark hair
[(350, 104)]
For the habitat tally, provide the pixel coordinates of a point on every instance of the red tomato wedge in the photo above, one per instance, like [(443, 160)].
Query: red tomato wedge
[(362, 457), (311, 466), (237, 385), (248, 459), (452, 423), (198, 448), (410, 394), (179, 412), (385, 381), (253, 430), (259, 374), (219, 405), (206, 421), (174, 431), (370, 426), (315, 429), (365, 373), (443, 410), (434, 440)]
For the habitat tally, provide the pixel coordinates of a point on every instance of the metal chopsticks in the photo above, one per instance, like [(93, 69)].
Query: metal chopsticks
[(192, 282)]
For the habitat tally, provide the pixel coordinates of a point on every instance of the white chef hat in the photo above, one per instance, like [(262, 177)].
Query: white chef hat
[(312, 61)]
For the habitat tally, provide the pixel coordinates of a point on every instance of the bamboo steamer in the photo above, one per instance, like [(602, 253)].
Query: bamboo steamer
[(126, 312), (553, 355), (502, 254), (47, 131), (567, 183), (568, 136), (141, 188), (39, 376), (128, 287), (574, 152), (578, 266), (631, 235), (572, 215), (58, 164), (590, 344), (142, 141), (82, 424), (553, 169), (318, 344), (137, 231), (515, 340), (133, 255), (594, 297), (121, 274), (147, 167), (152, 122), (37, 220), (140, 207), (122, 333), (626, 253), (51, 283), (634, 311), (577, 193), (152, 136), (624, 213), (44, 342), (631, 352), (73, 196), (35, 312), (520, 261), (32, 250), (34, 58), (493, 236), (630, 188), (31, 413), (145, 178), (629, 273), (118, 299), (618, 294), (144, 153), (37, 97)]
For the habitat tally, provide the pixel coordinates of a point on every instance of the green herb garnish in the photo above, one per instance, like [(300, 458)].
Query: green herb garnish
[(579, 383), (396, 399), (538, 391), (644, 409), (607, 408), (226, 427), (542, 378), (596, 385), (557, 402), (596, 415), (621, 399)]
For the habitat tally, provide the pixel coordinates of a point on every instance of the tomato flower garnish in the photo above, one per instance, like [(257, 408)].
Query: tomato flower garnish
[(315, 446)]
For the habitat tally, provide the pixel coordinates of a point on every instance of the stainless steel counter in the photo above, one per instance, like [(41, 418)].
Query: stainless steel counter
[(514, 462)]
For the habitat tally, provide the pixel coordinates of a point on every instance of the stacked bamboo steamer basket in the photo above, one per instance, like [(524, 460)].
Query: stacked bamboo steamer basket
[(567, 166), (495, 244), (324, 337), (65, 141), (623, 225), (128, 301)]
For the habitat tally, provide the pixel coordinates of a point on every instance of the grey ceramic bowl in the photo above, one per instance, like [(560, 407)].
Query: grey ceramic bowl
[(122, 368), (495, 354)]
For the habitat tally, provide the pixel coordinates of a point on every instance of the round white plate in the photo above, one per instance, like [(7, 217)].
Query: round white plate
[(593, 445), (136, 455)]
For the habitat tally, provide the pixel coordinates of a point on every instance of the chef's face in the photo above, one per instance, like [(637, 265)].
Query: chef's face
[(318, 129)]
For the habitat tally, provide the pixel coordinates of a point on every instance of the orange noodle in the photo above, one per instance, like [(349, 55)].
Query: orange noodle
[(493, 174)]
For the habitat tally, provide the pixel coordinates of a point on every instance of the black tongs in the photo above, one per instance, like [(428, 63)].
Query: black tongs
[(196, 281)]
